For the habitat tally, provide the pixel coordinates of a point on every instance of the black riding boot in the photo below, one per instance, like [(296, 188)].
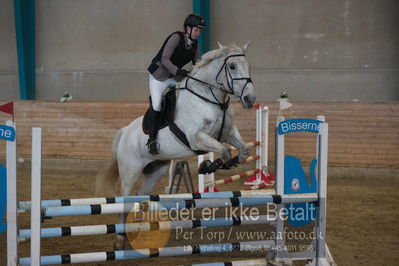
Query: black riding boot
[(153, 145)]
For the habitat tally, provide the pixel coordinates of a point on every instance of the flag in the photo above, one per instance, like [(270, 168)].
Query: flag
[(284, 103), (7, 108)]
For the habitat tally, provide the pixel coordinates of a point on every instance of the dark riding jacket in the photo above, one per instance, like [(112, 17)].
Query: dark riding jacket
[(174, 54)]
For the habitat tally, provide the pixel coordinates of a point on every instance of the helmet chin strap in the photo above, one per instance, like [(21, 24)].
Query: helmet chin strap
[(189, 35)]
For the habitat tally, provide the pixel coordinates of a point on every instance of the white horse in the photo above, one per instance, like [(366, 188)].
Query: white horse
[(198, 114)]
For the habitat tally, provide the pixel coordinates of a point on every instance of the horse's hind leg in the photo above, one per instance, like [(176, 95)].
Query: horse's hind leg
[(129, 176), (152, 174)]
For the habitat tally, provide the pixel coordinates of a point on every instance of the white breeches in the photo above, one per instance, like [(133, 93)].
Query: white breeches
[(157, 88)]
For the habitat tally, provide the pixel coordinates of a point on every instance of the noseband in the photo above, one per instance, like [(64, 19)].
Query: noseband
[(229, 75), (229, 83)]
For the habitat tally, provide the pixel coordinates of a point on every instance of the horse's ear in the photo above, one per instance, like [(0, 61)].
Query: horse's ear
[(223, 48), (245, 47)]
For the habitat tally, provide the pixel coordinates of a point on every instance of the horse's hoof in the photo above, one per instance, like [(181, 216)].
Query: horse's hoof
[(119, 245), (245, 152), (233, 162), (204, 167), (242, 158)]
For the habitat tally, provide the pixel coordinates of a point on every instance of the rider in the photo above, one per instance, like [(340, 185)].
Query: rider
[(178, 49)]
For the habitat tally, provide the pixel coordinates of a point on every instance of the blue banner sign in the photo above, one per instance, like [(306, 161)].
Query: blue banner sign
[(300, 124), (3, 198), (296, 182), (7, 133)]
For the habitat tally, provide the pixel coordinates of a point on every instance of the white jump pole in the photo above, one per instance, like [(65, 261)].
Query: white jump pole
[(279, 185), (12, 224), (259, 125), (279, 154), (36, 196), (262, 135), (264, 140), (259, 148), (321, 247)]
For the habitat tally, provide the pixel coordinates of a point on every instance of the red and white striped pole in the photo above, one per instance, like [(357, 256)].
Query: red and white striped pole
[(234, 177)]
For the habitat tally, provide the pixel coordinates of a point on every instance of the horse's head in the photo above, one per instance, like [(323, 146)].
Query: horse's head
[(234, 74)]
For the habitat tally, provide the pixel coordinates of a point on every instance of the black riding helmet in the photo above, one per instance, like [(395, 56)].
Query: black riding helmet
[(194, 20)]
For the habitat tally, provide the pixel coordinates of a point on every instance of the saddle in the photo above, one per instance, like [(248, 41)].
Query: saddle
[(167, 118), (167, 111)]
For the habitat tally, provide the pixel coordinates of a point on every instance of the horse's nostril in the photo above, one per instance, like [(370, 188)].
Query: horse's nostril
[(245, 98)]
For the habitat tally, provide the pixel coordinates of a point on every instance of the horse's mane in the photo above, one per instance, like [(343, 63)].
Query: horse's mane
[(214, 54)]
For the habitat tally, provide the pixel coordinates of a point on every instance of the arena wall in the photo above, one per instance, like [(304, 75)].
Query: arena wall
[(315, 50), (361, 135)]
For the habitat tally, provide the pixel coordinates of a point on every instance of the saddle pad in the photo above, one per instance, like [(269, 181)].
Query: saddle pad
[(167, 111)]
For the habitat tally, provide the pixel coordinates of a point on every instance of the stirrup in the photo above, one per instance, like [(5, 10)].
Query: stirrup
[(153, 147)]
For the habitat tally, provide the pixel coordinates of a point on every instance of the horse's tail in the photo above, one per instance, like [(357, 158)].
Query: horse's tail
[(107, 177)]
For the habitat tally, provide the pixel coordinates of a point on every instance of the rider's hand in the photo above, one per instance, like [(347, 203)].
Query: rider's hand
[(182, 72)]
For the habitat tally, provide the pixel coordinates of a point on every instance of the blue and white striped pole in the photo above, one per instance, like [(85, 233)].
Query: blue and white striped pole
[(257, 262), (26, 205), (147, 253), (118, 208), (148, 226)]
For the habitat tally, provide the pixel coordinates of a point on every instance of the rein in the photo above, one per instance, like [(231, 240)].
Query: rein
[(225, 104)]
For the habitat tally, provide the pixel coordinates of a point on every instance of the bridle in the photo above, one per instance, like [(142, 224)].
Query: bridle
[(228, 74), (229, 83), (225, 104)]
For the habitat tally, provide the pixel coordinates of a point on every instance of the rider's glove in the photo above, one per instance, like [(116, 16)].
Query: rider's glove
[(182, 72)]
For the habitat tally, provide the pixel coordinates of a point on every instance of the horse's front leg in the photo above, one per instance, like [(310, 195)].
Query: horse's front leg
[(204, 142), (234, 138)]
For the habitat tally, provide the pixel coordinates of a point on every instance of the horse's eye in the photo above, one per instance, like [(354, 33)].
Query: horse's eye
[(232, 66)]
